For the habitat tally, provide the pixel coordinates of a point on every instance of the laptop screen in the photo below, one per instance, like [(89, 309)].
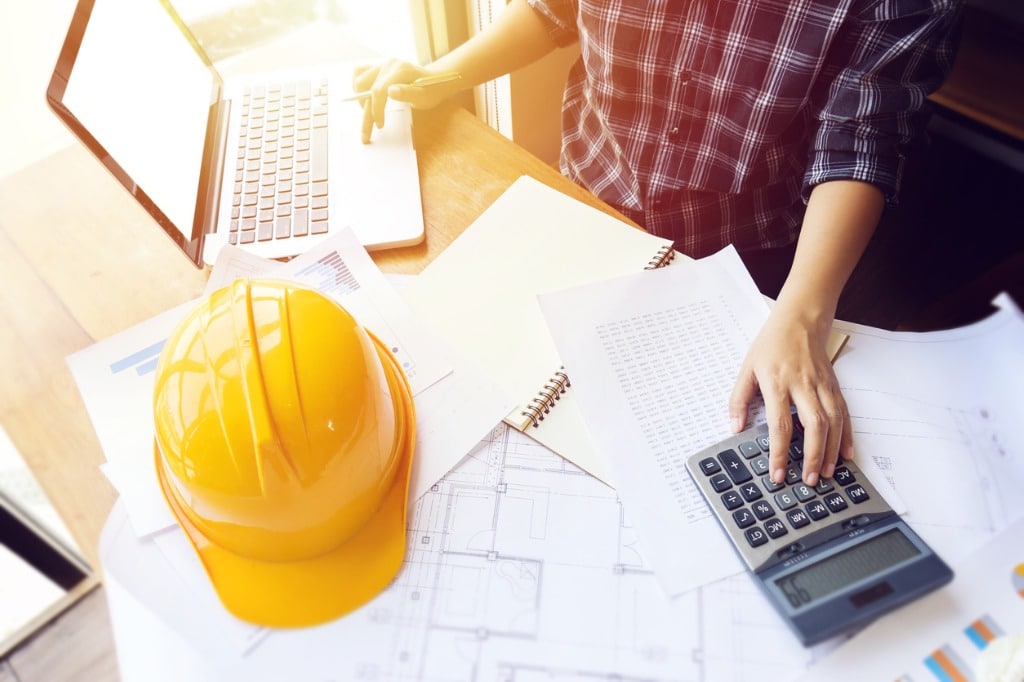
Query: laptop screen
[(130, 80)]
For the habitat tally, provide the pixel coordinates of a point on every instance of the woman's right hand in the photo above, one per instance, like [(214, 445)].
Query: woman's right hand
[(393, 79)]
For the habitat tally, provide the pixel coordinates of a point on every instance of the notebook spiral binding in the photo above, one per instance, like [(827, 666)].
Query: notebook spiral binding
[(662, 258), (556, 385), (545, 399)]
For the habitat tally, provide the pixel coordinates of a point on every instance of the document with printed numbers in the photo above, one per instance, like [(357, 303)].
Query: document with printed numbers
[(654, 357)]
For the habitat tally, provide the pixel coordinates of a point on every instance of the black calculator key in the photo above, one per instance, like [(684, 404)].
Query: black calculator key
[(835, 502), (762, 510), (709, 466), (720, 482), (796, 451), (732, 500), (770, 485), (743, 518), (756, 537), (759, 465), (762, 442), (775, 528), (749, 449), (750, 491), (786, 499), (816, 510), (843, 476), (824, 485), (803, 492), (734, 466), (792, 475), (798, 518), (857, 494)]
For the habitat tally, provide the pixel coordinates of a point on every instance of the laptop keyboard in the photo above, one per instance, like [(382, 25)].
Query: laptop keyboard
[(280, 186)]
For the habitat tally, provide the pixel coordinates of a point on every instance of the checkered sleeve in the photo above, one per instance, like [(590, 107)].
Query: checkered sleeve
[(560, 19), (873, 108)]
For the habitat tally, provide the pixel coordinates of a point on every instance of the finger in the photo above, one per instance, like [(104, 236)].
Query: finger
[(815, 425), (363, 77), (846, 447), (780, 431), (830, 399), (367, 128), (743, 391)]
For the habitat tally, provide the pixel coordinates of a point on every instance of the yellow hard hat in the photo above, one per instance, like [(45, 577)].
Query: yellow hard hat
[(284, 441)]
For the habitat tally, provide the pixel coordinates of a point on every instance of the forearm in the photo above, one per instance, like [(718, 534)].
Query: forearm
[(517, 38), (841, 216)]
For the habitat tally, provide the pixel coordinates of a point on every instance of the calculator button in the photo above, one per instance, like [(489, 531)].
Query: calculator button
[(798, 518), (785, 500), (743, 518), (792, 475), (709, 466), (775, 528), (749, 449), (843, 476), (762, 442), (835, 502), (803, 492), (770, 485), (756, 537), (816, 510), (823, 486), (759, 466), (720, 482), (734, 466), (732, 499), (750, 492), (762, 510), (857, 494), (796, 451)]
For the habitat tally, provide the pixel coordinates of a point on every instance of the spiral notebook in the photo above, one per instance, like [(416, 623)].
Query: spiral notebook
[(480, 295)]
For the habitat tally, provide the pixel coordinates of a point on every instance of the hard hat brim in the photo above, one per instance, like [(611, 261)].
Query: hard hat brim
[(318, 590)]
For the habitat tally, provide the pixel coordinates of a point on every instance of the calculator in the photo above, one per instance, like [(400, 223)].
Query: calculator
[(830, 557)]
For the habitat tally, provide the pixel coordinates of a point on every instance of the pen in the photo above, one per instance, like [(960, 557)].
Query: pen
[(424, 82)]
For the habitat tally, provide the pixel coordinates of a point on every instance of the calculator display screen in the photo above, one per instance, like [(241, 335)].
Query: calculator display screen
[(842, 569)]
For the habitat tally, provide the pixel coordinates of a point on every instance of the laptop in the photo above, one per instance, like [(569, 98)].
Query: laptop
[(134, 85)]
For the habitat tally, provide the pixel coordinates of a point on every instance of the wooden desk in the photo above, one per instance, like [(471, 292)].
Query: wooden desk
[(81, 261)]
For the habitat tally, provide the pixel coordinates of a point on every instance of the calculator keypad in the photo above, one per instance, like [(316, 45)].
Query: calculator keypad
[(735, 477)]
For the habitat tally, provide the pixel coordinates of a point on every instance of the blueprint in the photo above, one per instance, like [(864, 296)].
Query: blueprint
[(520, 568)]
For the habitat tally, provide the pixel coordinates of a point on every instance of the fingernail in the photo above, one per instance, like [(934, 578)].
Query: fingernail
[(812, 478), (778, 475), (828, 470), (736, 424)]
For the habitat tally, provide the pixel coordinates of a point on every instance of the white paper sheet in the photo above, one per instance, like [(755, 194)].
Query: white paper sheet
[(653, 358)]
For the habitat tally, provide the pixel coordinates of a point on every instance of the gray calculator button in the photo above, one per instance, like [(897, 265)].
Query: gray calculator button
[(720, 482), (734, 466), (750, 491), (775, 528), (816, 510), (732, 499), (857, 494), (762, 510), (835, 502), (762, 442), (770, 485), (749, 449), (785, 499), (803, 492), (756, 537), (796, 451), (798, 518), (709, 466), (824, 485), (759, 465), (843, 476), (792, 475), (743, 518)]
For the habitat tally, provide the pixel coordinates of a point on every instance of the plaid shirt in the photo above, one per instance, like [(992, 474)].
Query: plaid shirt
[(709, 122)]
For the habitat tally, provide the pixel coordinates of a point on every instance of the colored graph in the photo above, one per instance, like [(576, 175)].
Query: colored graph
[(982, 631), (1018, 579), (947, 666)]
